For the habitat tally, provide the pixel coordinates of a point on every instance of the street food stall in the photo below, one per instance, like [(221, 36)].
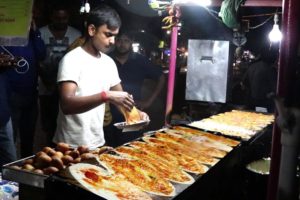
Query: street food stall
[(181, 161), (201, 159)]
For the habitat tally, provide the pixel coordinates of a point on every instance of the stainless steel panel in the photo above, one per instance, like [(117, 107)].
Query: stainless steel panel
[(207, 71)]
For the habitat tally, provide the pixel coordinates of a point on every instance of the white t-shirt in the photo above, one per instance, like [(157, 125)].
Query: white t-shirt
[(92, 75), (56, 49)]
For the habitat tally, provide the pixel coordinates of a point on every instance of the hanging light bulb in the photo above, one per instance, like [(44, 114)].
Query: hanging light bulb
[(275, 34), (136, 47), (87, 7), (82, 8), (203, 3)]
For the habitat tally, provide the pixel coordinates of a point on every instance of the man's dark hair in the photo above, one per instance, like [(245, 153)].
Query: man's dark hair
[(102, 15)]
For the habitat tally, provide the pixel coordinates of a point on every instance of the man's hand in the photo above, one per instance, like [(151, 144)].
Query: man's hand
[(120, 98)]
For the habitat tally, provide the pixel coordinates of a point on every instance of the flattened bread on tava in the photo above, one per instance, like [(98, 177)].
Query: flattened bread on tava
[(104, 184)]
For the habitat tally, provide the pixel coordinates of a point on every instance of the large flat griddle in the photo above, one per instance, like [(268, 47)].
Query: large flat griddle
[(58, 186)]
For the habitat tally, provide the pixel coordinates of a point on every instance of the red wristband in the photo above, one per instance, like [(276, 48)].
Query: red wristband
[(103, 96)]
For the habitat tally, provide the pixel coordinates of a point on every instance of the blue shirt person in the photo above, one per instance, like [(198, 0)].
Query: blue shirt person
[(23, 95), (7, 146)]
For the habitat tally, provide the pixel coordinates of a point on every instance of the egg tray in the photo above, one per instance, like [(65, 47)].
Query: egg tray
[(22, 176)]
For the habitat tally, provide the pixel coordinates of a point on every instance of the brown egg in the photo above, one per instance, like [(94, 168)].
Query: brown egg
[(40, 153), (57, 162), (41, 161), (58, 154), (87, 156), (83, 149), (74, 154), (15, 167), (28, 167), (77, 160), (62, 147), (67, 159), (68, 152), (48, 150), (28, 161), (50, 170), (38, 171), (52, 152)]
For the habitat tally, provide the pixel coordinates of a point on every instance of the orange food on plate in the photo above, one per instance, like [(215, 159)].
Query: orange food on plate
[(131, 117)]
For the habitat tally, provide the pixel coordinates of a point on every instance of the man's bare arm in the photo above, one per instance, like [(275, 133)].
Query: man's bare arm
[(72, 104)]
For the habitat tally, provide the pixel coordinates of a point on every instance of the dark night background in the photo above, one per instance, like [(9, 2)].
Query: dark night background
[(198, 23)]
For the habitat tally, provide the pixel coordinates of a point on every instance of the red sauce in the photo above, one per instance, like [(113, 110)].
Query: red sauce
[(91, 175)]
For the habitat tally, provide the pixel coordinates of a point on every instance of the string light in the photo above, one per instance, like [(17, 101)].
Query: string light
[(85, 7), (275, 34), (136, 47)]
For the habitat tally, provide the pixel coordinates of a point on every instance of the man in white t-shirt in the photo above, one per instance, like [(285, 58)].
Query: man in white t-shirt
[(57, 36), (88, 78)]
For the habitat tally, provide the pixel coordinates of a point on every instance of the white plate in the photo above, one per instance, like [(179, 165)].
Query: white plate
[(131, 127)]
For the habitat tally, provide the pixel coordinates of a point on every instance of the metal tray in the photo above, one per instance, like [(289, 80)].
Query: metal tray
[(22, 176)]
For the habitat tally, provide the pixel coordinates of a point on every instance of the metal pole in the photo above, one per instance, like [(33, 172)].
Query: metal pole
[(171, 78), (288, 51)]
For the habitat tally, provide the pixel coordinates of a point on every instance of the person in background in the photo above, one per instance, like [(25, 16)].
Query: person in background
[(133, 69), (58, 35), (260, 81), (22, 80), (7, 146), (87, 78)]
